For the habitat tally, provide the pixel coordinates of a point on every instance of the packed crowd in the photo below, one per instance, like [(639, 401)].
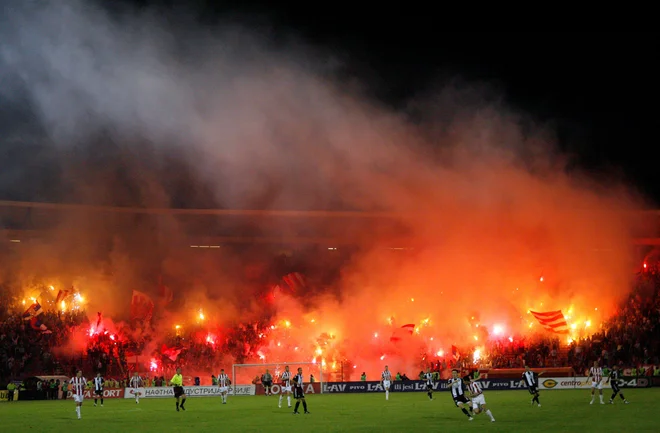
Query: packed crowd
[(630, 338)]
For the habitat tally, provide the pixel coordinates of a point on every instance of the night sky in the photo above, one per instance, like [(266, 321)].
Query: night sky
[(598, 91)]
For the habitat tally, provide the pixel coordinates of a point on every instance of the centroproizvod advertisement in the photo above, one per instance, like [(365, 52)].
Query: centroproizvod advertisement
[(191, 391), (585, 383)]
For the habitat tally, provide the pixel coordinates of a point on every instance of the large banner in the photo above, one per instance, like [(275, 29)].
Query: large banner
[(310, 388), (191, 391), (107, 393), (585, 383)]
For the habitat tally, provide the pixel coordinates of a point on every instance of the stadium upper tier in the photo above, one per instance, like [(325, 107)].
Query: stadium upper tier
[(23, 221)]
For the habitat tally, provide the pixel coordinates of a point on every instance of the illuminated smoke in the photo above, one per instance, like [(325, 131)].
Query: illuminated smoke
[(138, 112)]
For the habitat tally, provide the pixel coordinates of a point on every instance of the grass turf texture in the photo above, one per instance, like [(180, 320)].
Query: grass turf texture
[(562, 410)]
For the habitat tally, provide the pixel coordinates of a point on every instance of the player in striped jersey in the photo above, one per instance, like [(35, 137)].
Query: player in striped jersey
[(285, 384), (428, 377), (298, 392), (596, 375), (223, 383), (135, 384), (531, 379), (614, 380), (477, 397), (99, 382), (386, 379), (78, 385), (458, 393)]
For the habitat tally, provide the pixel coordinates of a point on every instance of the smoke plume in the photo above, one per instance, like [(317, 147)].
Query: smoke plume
[(140, 110)]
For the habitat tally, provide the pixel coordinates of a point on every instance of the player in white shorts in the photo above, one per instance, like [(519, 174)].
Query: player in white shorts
[(285, 386), (596, 376), (135, 384), (78, 385), (386, 379), (477, 397), (223, 383)]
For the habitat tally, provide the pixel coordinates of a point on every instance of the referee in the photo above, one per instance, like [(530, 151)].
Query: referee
[(179, 393)]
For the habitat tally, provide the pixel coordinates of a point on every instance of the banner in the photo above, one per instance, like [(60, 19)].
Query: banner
[(107, 393), (4, 394), (414, 386), (309, 388), (191, 391), (585, 383)]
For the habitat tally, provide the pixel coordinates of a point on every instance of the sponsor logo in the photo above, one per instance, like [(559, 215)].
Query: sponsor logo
[(191, 391), (107, 393), (549, 383), (310, 388)]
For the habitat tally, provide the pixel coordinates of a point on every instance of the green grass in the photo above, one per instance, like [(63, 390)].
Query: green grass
[(561, 411)]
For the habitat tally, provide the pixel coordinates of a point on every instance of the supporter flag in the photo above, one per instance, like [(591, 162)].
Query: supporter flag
[(35, 323), (171, 352), (454, 353), (405, 330), (99, 321), (62, 295), (166, 294), (553, 321), (33, 310), (294, 281), (32, 314), (142, 306)]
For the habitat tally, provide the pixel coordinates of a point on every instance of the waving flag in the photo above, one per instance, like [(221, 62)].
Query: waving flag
[(142, 306), (553, 321), (454, 353), (33, 310), (171, 352), (295, 281), (166, 294), (405, 330), (62, 295), (32, 315)]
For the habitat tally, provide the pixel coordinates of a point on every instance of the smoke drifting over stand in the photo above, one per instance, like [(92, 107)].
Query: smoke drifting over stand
[(137, 110)]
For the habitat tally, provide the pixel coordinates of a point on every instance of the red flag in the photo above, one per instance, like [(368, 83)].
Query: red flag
[(405, 330), (295, 281), (454, 352), (62, 295), (553, 321), (142, 306), (166, 294), (171, 352)]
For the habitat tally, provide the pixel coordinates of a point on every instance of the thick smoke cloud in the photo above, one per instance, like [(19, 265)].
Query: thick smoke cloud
[(138, 110)]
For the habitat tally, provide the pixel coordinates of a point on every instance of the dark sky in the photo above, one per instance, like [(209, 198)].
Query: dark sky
[(600, 89)]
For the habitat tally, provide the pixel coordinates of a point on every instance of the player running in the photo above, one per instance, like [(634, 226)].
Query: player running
[(286, 386), (298, 393), (179, 393), (428, 377), (223, 383), (78, 385), (99, 383), (135, 384), (614, 380), (531, 379), (458, 393), (267, 382), (596, 375), (477, 396), (386, 380)]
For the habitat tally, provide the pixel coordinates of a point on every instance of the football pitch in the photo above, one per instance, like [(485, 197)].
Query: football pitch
[(561, 411)]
